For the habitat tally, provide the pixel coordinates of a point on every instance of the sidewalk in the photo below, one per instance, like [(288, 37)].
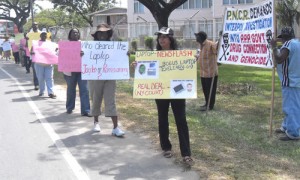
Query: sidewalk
[(101, 155)]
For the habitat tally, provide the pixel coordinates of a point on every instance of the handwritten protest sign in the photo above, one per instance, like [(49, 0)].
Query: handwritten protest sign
[(165, 75), (247, 34), (44, 52), (104, 60), (69, 58)]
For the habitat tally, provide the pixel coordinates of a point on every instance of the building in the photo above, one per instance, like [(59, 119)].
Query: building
[(116, 17), (191, 17)]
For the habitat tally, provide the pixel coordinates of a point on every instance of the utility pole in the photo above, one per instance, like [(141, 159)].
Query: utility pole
[(31, 9)]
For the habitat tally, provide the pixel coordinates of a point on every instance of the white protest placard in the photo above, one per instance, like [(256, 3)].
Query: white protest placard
[(6, 46), (104, 60), (247, 33)]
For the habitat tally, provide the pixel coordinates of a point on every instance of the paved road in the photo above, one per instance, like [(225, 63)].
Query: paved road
[(40, 141)]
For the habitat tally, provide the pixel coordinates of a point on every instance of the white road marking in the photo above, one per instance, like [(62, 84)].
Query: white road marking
[(74, 165)]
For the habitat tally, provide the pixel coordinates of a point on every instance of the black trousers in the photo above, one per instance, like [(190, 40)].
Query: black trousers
[(178, 107), (27, 63), (206, 84), (16, 57)]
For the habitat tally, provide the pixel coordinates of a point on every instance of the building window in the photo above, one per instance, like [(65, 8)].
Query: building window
[(138, 7), (206, 26), (192, 4), (225, 2)]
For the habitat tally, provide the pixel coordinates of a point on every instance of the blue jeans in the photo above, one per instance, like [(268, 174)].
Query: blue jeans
[(45, 75), (291, 109), (72, 82)]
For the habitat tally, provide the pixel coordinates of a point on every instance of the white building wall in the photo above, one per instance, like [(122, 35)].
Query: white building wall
[(185, 22)]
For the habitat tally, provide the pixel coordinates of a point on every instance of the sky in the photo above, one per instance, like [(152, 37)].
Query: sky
[(48, 4)]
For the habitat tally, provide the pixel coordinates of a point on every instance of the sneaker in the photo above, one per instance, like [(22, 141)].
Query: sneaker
[(69, 111), (286, 138), (117, 132), (96, 127), (36, 88), (279, 130), (53, 96), (87, 115)]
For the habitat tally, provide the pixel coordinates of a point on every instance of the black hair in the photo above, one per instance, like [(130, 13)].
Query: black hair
[(202, 35), (173, 44), (69, 36)]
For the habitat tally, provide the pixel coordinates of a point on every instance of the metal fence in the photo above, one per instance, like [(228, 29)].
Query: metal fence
[(184, 32)]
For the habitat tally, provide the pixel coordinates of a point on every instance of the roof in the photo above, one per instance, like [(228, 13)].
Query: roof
[(111, 11)]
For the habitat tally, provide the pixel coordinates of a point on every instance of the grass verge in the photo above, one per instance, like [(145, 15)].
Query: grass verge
[(232, 141)]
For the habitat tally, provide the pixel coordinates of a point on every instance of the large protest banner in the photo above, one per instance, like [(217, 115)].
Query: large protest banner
[(44, 52), (104, 60), (247, 33), (69, 58), (165, 75)]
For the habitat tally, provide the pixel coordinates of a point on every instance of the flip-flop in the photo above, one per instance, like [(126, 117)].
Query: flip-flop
[(167, 154), (188, 161)]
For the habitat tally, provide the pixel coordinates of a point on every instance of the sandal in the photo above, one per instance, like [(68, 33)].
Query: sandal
[(188, 161), (168, 154)]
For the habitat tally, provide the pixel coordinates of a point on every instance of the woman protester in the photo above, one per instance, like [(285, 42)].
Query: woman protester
[(73, 79), (44, 72), (165, 42), (104, 89)]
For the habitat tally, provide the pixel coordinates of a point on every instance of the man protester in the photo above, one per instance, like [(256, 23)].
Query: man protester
[(207, 59), (34, 29), (288, 64)]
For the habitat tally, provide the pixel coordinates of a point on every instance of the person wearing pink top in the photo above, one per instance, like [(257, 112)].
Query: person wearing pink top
[(27, 61), (24, 48), (15, 50)]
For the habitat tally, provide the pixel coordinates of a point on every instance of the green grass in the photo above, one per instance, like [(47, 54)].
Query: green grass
[(232, 141)]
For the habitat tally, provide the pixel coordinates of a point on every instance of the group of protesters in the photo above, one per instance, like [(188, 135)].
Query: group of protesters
[(97, 90)]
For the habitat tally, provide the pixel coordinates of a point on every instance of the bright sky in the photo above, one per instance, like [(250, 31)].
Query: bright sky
[(48, 4)]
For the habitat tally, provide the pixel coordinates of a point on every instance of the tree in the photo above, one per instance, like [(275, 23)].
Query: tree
[(287, 12), (21, 8), (83, 7), (161, 10)]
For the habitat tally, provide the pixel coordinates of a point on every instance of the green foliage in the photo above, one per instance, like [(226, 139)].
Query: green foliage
[(20, 8), (83, 7), (134, 45), (149, 43), (287, 12), (55, 20)]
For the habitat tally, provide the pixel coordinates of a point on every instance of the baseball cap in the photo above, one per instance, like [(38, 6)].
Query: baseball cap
[(165, 30), (287, 32)]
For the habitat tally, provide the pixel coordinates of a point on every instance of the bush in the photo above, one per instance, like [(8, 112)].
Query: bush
[(149, 43), (134, 45)]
